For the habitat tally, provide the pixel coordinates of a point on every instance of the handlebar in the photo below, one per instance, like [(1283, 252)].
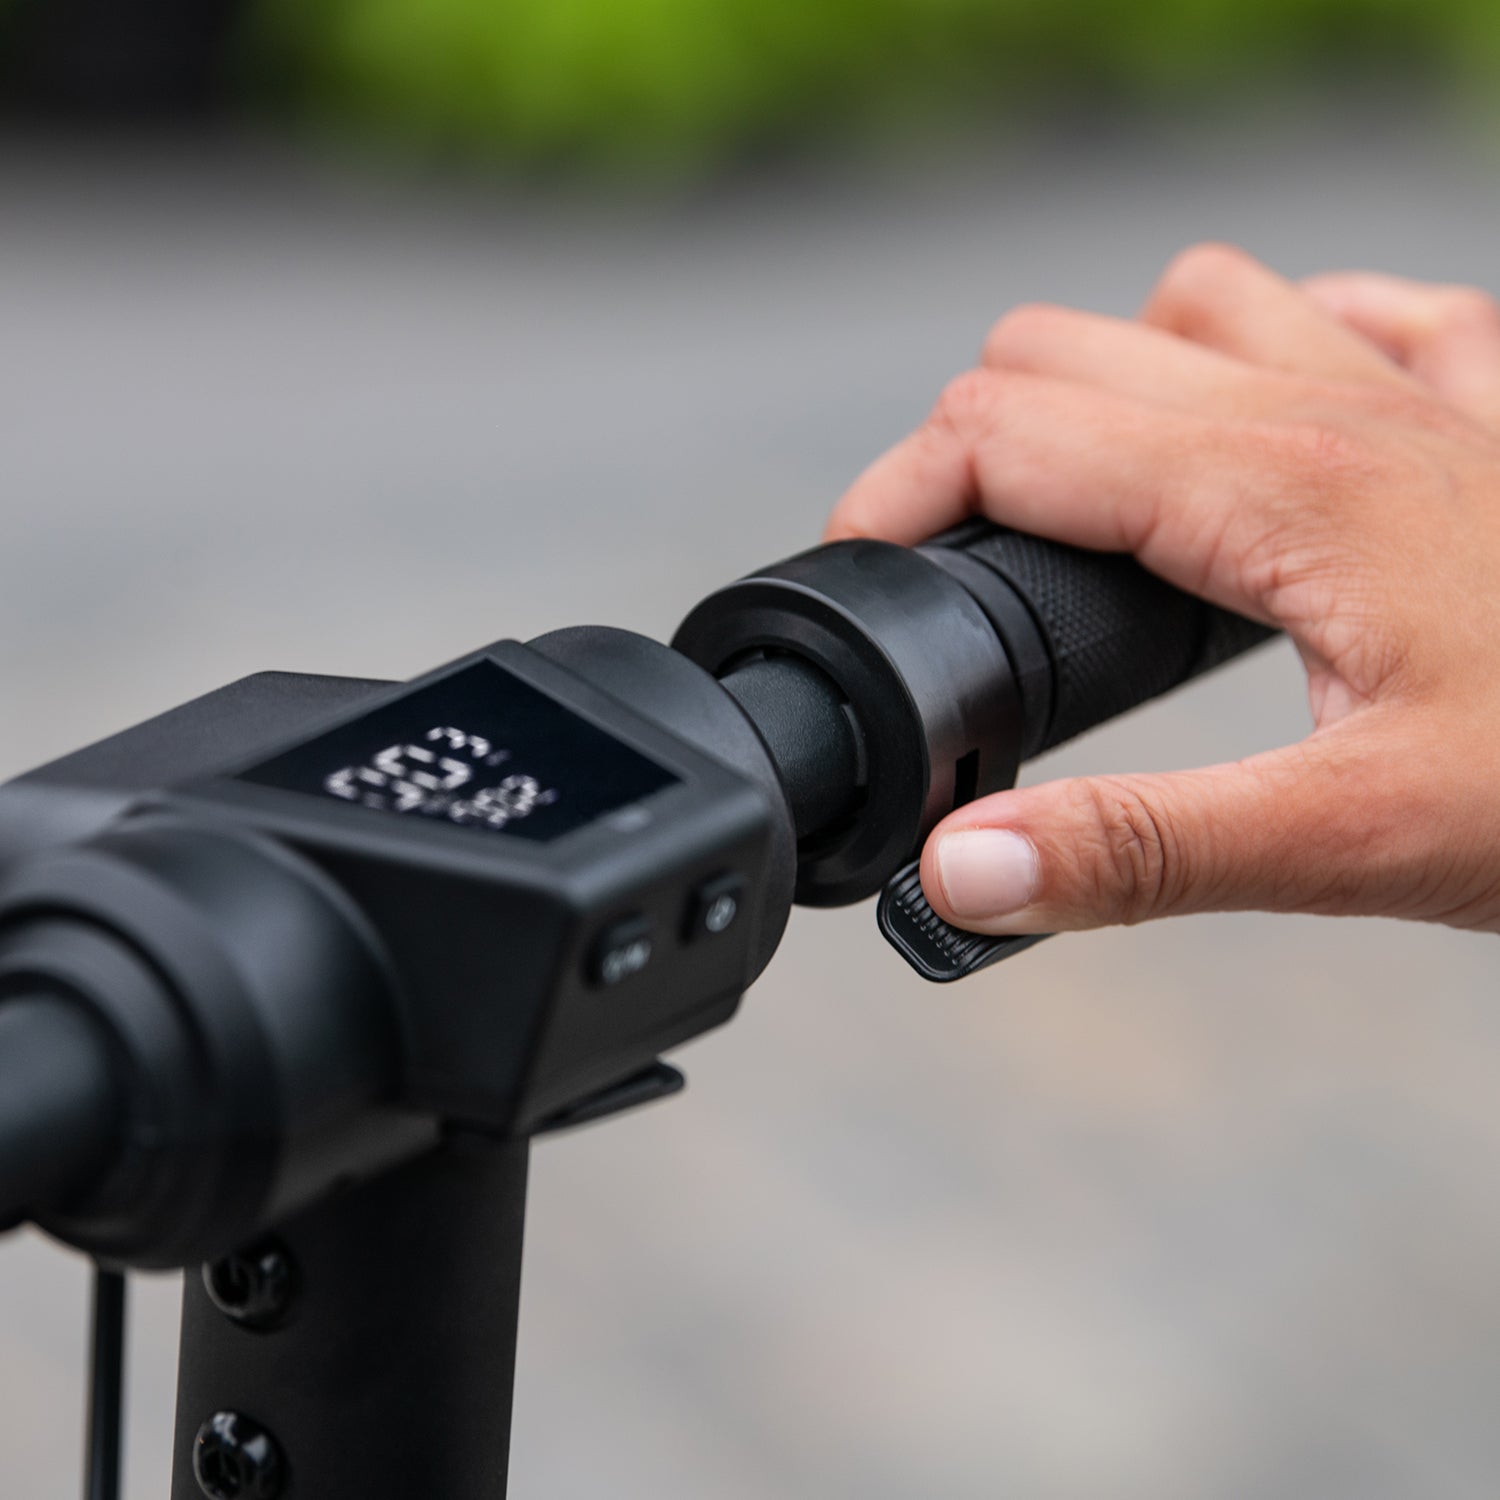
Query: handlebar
[(58, 1103), (256, 953), (240, 966)]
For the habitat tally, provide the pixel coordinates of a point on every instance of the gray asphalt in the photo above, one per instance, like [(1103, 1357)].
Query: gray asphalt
[(1207, 1210)]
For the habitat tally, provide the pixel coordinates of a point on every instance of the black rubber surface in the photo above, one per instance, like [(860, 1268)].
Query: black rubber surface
[(1118, 636), (57, 1104)]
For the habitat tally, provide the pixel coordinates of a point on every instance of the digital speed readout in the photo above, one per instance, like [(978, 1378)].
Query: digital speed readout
[(437, 776), (480, 749)]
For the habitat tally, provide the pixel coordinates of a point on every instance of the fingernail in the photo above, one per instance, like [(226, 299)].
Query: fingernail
[(987, 872)]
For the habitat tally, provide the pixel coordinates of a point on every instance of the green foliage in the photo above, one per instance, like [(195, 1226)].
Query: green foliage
[(697, 81)]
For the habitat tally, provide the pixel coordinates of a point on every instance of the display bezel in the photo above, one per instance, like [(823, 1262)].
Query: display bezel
[(478, 748)]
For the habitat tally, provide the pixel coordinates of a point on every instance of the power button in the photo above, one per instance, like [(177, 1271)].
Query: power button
[(715, 906)]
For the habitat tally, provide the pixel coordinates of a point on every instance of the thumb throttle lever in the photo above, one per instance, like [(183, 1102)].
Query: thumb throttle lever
[(1088, 635), (934, 948)]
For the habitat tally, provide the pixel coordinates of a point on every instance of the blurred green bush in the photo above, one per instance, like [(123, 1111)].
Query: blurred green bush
[(695, 82)]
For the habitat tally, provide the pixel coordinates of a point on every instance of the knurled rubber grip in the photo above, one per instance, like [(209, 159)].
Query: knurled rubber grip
[(1117, 636)]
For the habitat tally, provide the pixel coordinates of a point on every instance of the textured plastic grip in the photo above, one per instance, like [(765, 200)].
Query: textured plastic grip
[(935, 950), (1116, 634)]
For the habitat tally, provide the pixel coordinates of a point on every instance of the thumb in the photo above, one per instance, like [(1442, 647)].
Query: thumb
[(1278, 832)]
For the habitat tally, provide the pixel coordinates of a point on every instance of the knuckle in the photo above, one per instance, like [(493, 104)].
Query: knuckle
[(1408, 410), (1318, 457), (1195, 277), (1358, 418), (1023, 327), (1211, 260), (1139, 862), (1468, 307), (966, 405)]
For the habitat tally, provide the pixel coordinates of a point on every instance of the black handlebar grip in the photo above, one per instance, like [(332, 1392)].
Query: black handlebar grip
[(1091, 634)]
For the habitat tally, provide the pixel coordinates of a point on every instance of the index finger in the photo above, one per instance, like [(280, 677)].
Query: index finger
[(1189, 496)]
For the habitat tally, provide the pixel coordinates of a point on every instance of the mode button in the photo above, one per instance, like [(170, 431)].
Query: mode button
[(621, 951)]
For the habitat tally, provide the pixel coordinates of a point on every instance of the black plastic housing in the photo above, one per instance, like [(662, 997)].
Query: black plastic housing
[(251, 1019), (298, 991), (490, 941)]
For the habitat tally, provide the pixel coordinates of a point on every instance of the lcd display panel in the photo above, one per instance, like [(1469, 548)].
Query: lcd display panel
[(480, 749)]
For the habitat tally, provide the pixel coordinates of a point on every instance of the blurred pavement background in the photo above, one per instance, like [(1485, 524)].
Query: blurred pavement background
[(1204, 1211)]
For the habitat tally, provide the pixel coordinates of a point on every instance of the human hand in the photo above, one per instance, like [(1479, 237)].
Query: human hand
[(1323, 458)]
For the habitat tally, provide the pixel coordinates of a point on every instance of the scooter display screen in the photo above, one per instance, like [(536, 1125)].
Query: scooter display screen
[(479, 749)]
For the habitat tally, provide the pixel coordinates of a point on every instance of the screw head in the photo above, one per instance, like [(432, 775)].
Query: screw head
[(253, 1287), (235, 1458)]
